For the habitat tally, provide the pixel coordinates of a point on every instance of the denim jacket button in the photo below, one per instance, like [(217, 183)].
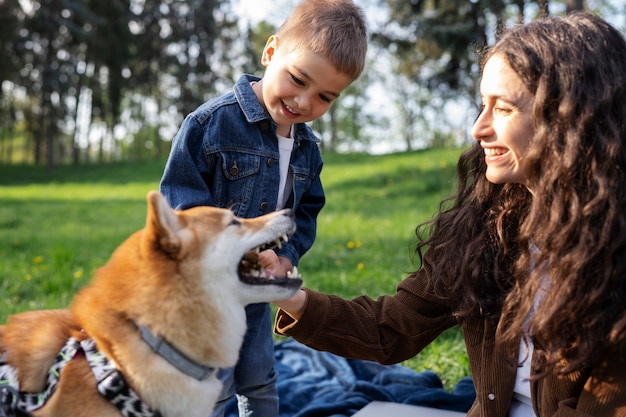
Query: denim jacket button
[(264, 206), (264, 126), (234, 170), (270, 162)]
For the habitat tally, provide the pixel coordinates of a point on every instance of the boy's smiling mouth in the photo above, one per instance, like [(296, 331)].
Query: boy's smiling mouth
[(289, 110)]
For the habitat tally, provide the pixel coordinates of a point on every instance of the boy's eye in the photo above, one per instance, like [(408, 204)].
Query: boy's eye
[(297, 80), (325, 98)]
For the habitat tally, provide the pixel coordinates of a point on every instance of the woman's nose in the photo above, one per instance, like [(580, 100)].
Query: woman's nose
[(482, 125)]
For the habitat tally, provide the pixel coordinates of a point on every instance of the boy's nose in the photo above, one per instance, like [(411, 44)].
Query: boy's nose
[(303, 102)]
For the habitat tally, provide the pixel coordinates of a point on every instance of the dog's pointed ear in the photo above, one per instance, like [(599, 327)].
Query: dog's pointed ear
[(163, 224)]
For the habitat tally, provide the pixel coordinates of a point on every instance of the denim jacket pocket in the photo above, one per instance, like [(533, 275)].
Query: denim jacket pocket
[(241, 185), (302, 180), (237, 165)]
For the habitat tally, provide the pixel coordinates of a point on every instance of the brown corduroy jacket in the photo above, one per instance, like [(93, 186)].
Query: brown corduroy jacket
[(394, 328)]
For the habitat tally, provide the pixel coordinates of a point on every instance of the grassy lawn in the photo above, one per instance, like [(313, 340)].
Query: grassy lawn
[(56, 228)]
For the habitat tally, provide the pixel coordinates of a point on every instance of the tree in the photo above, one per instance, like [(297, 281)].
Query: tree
[(10, 17), (186, 45), (178, 52), (437, 43)]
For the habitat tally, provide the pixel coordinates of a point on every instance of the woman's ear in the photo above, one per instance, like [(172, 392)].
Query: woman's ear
[(269, 50)]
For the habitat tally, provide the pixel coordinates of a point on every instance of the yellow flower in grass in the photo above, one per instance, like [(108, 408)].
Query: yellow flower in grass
[(353, 244), (360, 266), (78, 274), (38, 259)]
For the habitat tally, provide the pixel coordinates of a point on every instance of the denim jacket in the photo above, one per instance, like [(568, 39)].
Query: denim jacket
[(225, 154)]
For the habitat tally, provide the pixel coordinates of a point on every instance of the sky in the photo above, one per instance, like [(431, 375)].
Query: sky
[(254, 11), (276, 11)]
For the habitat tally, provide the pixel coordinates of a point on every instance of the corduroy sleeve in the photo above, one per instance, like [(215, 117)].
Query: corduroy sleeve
[(387, 330)]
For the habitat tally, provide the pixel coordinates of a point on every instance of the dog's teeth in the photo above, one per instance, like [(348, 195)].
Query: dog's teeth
[(278, 243), (257, 249), (285, 238), (293, 273)]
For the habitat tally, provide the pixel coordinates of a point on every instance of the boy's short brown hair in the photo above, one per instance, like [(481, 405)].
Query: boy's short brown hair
[(335, 29)]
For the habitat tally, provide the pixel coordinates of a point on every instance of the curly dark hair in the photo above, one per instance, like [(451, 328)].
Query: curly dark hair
[(496, 248)]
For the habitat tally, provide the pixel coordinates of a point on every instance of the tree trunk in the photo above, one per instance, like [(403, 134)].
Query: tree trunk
[(75, 147)]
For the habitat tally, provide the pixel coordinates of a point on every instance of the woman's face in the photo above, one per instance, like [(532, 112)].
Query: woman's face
[(505, 125)]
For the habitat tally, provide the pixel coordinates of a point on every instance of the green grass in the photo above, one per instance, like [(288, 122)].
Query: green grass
[(56, 228)]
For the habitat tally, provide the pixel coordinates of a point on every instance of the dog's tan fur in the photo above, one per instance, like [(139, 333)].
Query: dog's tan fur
[(177, 276)]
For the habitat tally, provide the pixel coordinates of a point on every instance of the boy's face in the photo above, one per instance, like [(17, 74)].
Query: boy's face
[(298, 85)]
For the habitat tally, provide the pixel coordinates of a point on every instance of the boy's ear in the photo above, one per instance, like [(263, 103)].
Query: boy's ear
[(269, 50)]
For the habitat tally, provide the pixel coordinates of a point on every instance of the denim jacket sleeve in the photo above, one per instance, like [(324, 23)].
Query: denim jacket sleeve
[(184, 179)]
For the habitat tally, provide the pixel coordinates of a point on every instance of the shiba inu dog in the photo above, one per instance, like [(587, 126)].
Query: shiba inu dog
[(145, 337)]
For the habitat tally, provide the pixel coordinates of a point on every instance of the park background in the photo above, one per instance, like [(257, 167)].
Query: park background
[(86, 81), (93, 92)]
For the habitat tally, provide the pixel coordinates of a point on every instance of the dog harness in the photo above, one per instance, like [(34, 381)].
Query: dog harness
[(110, 383)]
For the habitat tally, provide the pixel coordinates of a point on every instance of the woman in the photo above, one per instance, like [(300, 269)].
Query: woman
[(529, 256)]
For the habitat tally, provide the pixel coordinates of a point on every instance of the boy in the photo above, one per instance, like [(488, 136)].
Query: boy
[(251, 151)]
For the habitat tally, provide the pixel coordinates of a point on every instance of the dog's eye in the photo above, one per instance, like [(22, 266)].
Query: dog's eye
[(234, 222)]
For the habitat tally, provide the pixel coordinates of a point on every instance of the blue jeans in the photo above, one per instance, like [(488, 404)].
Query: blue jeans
[(253, 380)]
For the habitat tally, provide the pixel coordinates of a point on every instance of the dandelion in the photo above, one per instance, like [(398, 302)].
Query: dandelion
[(360, 266), (38, 259), (78, 274), (353, 244), (28, 277)]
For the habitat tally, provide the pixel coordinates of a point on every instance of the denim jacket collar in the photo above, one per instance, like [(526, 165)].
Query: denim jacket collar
[(254, 111)]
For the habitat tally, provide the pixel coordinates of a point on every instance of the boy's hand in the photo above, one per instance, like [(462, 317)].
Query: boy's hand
[(279, 266), (276, 265)]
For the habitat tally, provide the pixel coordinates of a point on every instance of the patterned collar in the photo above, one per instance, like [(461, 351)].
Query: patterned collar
[(110, 383)]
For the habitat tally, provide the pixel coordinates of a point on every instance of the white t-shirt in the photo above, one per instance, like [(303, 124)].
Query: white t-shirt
[(285, 184), (521, 405)]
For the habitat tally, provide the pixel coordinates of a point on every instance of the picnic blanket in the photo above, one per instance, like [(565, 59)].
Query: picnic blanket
[(320, 384)]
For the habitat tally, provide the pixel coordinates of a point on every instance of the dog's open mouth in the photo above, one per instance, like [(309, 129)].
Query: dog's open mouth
[(251, 272)]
